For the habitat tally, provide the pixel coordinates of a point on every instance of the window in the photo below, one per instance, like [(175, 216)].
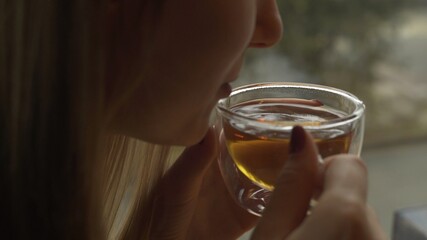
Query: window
[(378, 51)]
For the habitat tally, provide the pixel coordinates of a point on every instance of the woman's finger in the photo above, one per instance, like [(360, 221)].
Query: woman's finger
[(375, 226), (341, 212), (177, 194), (294, 189)]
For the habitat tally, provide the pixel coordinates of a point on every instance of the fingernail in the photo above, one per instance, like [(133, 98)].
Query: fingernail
[(297, 140), (317, 103)]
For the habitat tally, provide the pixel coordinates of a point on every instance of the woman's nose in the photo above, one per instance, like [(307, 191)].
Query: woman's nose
[(268, 28)]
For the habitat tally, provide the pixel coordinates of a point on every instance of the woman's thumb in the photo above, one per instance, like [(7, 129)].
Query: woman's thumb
[(290, 200), (177, 194)]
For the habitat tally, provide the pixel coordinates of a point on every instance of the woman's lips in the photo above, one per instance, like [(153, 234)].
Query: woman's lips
[(225, 90)]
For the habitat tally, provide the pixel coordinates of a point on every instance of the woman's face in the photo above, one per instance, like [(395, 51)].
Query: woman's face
[(194, 50)]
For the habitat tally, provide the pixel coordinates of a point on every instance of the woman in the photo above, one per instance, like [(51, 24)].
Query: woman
[(93, 92)]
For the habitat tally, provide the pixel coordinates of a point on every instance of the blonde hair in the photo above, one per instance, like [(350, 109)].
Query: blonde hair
[(130, 183), (54, 180)]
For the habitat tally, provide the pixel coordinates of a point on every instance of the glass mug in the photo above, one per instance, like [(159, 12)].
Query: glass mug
[(254, 125)]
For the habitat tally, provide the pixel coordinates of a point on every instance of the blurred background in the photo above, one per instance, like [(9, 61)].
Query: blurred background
[(376, 49)]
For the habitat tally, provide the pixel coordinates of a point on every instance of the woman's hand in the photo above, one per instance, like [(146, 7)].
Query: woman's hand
[(341, 211), (193, 202)]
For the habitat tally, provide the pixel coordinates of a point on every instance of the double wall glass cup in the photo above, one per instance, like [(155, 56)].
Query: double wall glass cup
[(254, 126)]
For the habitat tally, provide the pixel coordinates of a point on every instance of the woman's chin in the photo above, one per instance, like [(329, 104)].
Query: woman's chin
[(189, 138)]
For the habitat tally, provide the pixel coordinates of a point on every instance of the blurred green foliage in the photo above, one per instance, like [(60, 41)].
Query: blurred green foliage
[(342, 38), (345, 44)]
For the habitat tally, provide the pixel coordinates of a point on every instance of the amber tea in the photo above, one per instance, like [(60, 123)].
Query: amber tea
[(260, 155)]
